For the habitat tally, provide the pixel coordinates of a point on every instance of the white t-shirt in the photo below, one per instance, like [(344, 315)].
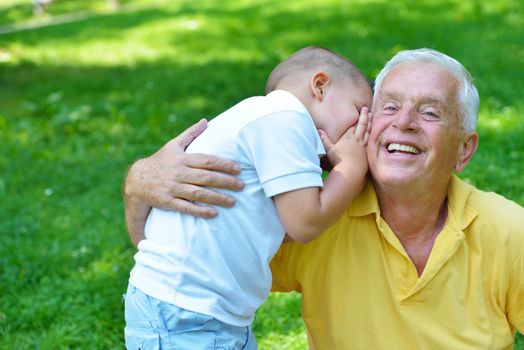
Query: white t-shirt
[(220, 266)]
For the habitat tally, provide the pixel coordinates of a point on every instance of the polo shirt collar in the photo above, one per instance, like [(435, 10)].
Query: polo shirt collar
[(458, 196), (460, 213), (366, 202)]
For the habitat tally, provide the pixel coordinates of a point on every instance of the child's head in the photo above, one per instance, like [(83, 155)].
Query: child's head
[(328, 84)]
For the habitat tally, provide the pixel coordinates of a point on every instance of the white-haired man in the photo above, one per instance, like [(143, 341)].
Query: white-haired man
[(421, 260)]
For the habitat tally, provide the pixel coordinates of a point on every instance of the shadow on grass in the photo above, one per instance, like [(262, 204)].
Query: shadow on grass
[(15, 13), (100, 26)]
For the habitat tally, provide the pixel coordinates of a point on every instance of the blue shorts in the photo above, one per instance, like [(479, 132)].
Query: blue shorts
[(154, 324)]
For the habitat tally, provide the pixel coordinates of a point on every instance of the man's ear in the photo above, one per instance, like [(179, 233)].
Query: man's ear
[(467, 149), (319, 83)]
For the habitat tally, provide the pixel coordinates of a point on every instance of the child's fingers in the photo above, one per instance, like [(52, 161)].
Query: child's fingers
[(362, 123), (368, 129), (366, 137), (325, 140)]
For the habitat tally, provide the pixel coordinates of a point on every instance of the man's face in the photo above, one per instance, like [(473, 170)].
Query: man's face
[(416, 133)]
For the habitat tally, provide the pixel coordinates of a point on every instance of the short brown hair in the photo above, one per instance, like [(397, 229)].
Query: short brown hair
[(313, 58)]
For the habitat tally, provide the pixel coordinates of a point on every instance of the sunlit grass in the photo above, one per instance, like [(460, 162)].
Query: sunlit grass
[(21, 12), (497, 166), (81, 100)]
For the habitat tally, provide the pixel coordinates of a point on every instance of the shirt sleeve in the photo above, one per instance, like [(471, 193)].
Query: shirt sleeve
[(284, 149), (283, 266), (515, 294)]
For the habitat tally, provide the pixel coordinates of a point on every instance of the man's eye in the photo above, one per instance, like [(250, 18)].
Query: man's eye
[(430, 115), (390, 108)]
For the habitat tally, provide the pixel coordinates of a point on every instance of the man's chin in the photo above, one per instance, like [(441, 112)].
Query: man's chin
[(394, 177)]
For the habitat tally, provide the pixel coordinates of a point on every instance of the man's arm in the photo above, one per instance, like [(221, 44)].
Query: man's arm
[(173, 179), (136, 213)]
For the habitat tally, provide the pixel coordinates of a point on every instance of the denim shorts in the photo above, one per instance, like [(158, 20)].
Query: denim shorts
[(153, 324)]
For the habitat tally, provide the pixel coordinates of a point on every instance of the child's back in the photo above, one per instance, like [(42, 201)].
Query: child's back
[(191, 269), (219, 267)]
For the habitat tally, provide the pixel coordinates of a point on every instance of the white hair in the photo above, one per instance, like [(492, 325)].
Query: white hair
[(467, 94)]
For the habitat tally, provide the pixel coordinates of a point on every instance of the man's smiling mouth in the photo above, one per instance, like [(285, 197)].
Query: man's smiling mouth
[(397, 147)]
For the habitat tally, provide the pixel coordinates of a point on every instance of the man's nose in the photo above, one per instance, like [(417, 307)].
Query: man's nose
[(407, 119)]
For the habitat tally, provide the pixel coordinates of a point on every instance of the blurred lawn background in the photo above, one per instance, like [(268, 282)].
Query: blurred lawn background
[(80, 100)]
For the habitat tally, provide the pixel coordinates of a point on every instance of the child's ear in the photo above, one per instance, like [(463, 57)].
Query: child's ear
[(319, 84)]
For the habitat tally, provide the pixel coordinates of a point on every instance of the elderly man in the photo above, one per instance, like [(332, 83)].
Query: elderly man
[(421, 260)]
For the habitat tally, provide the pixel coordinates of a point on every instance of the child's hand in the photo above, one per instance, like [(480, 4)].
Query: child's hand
[(351, 148)]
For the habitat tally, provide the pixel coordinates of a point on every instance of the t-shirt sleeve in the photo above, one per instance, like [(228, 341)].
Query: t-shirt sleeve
[(284, 149)]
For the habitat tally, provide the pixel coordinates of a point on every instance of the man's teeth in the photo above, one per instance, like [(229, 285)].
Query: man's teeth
[(402, 148)]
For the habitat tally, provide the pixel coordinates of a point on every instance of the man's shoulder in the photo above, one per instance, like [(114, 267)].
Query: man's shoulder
[(491, 205), (468, 201), (498, 221)]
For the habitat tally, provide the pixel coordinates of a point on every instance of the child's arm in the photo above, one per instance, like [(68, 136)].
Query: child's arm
[(307, 212)]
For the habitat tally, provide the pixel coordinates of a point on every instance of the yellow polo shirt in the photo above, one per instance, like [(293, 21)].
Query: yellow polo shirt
[(361, 291)]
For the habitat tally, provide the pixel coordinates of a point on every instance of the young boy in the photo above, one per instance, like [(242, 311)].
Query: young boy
[(197, 282)]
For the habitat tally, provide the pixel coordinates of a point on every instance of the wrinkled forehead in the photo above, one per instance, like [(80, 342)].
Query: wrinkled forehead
[(420, 81)]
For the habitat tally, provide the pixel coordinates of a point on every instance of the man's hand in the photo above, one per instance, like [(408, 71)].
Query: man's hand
[(173, 179)]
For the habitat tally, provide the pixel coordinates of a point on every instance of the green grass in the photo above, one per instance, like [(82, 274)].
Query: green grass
[(81, 100), (21, 11)]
